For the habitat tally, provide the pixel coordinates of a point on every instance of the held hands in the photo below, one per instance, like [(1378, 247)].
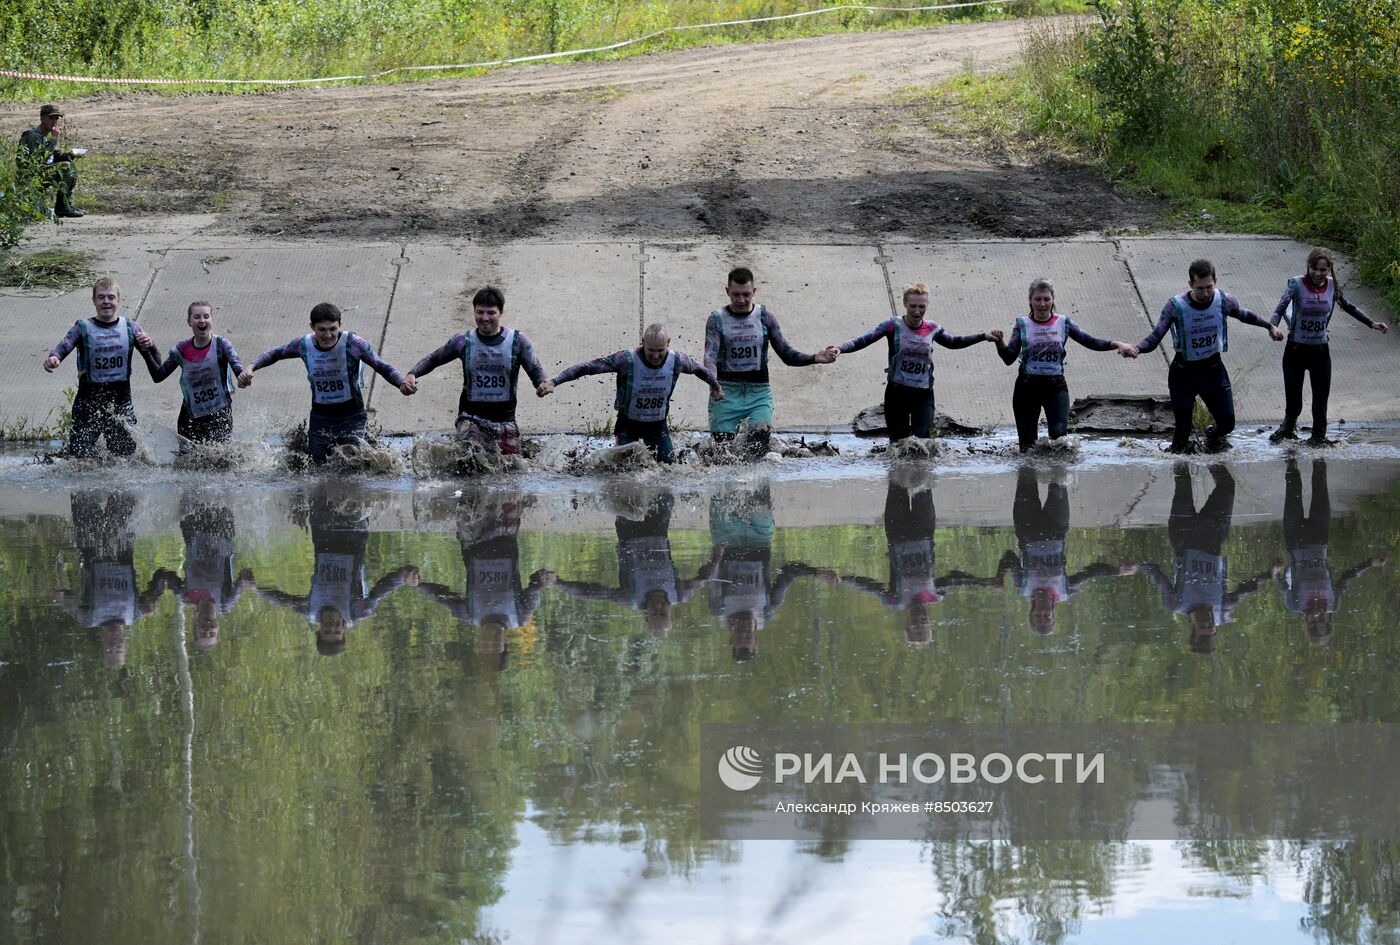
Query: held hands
[(996, 335), (143, 341), (1275, 332), (544, 389), (828, 354), (409, 387), (716, 393), (1127, 350), (51, 364), (246, 377)]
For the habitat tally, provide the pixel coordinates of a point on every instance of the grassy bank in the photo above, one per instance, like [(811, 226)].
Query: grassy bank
[(1241, 115), (280, 39)]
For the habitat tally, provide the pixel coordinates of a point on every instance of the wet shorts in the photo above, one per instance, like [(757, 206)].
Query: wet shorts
[(743, 400)]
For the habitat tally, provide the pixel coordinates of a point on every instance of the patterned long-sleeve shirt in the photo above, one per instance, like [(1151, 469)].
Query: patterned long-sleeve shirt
[(1342, 303), (224, 351), (1011, 350), (74, 340), (773, 336), (620, 363), (1229, 307), (522, 356), (357, 351), (888, 328)]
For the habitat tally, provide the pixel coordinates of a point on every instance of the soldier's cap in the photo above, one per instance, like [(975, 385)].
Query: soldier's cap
[(50, 111)]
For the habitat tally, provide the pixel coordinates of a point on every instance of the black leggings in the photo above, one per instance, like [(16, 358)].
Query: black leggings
[(1315, 360), (1207, 379), (1300, 529), (1034, 393), (1206, 530), (908, 411)]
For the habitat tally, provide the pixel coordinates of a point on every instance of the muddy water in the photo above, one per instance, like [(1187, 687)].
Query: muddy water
[(306, 710)]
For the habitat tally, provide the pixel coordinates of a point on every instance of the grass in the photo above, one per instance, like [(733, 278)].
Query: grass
[(61, 269), (1238, 165), (23, 430), (261, 50)]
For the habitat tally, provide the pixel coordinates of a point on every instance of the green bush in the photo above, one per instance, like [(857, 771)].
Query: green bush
[(1269, 114)]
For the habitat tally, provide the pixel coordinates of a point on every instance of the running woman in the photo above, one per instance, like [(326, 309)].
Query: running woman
[(909, 376), (1038, 339), (105, 344), (1312, 296), (737, 339), (646, 376), (204, 361), (334, 362), (1200, 335), (491, 356)]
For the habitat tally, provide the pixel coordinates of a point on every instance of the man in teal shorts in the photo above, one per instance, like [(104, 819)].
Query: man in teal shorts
[(737, 338)]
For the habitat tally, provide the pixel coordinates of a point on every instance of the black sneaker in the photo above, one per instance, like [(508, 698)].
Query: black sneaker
[(1284, 432), (71, 213), (1320, 441)]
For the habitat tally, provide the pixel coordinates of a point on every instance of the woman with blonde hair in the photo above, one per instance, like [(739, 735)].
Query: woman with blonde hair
[(909, 388)]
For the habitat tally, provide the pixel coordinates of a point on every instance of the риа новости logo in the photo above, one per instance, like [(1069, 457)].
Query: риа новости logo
[(740, 767)]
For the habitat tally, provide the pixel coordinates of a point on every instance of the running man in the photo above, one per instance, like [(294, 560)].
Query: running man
[(1312, 298), (105, 344), (1200, 335), (737, 339), (491, 356), (646, 377), (1306, 581), (1039, 339), (909, 374), (207, 364), (335, 361)]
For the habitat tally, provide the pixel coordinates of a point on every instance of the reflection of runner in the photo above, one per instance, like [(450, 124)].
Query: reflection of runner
[(741, 533), (107, 596), (209, 584), (647, 578), (1039, 570), (1200, 575), (1306, 581), (909, 530), (488, 530), (340, 593)]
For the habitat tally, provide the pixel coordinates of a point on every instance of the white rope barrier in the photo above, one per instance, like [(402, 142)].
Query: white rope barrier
[(106, 80)]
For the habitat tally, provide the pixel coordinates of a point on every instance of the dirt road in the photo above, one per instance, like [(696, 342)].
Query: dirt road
[(802, 140)]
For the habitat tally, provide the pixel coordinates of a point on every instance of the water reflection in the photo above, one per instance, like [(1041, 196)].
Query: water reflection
[(107, 598), (396, 769), (744, 591), (647, 577), (1199, 586), (494, 599), (1040, 571), (211, 583), (1306, 580), (910, 523), (340, 594)]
